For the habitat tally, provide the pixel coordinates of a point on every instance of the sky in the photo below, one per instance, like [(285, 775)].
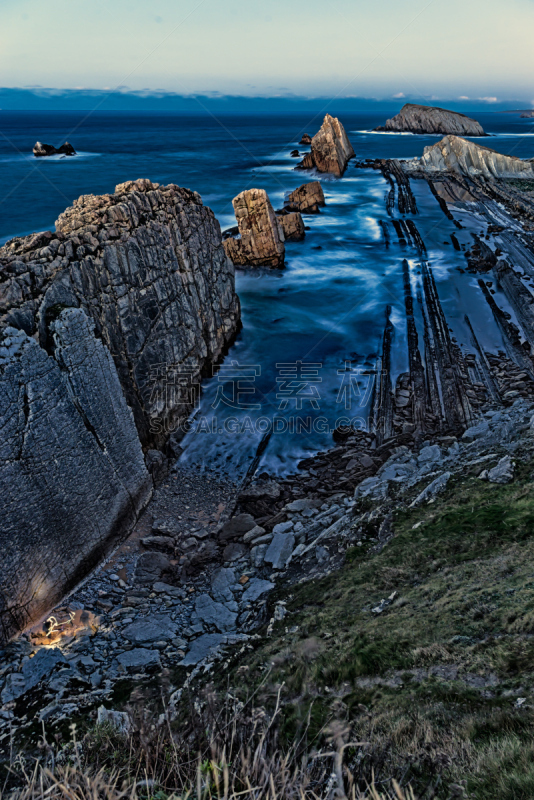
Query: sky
[(424, 50)]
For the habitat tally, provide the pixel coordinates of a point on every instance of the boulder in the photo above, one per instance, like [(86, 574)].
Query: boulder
[(139, 658), (503, 472), (262, 490), (292, 226), (261, 242), (214, 614), (454, 154), (156, 628), (150, 567), (307, 198), (306, 139), (413, 118), (295, 154), (331, 149), (236, 527), (41, 150)]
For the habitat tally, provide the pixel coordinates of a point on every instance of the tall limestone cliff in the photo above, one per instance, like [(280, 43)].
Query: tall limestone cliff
[(331, 149), (104, 327), (413, 118), (460, 155)]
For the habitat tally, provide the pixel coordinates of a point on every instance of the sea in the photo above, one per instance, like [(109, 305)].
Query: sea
[(304, 361)]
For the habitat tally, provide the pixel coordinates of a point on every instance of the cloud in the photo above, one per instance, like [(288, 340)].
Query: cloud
[(400, 94), (489, 99), (463, 97)]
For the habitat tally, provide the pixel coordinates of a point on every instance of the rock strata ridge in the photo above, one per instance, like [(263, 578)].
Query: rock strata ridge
[(462, 156), (413, 118), (95, 321)]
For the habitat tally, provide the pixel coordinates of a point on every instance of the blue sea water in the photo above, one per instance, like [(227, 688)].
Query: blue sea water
[(325, 309)]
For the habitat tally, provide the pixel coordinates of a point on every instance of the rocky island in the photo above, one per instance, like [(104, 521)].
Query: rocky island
[(414, 118), (41, 150), (331, 149)]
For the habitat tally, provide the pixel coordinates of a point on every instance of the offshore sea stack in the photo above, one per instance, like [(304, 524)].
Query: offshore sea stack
[(307, 198), (331, 149), (41, 150), (413, 118), (459, 155), (261, 242), (96, 322)]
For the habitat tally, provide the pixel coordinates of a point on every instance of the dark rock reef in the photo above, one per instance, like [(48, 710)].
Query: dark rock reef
[(98, 323), (414, 118), (331, 149), (41, 150)]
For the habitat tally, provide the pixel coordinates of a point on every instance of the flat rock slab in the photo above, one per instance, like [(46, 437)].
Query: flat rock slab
[(166, 588), (255, 589), (209, 612), (208, 645), (222, 581), (139, 658), (33, 671), (280, 549), (153, 629)]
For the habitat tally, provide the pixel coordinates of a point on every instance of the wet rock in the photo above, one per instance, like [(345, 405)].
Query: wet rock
[(150, 567), (415, 118), (139, 658), (214, 614), (261, 242), (306, 139), (307, 198), (295, 154), (41, 150), (280, 549)]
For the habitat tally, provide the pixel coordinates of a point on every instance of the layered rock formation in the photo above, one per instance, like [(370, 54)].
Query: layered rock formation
[(331, 149), (261, 242), (105, 325), (527, 114), (292, 226), (41, 150), (307, 199), (414, 118), (455, 154)]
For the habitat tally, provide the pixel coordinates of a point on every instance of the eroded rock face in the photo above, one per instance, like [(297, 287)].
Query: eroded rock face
[(460, 155), (307, 199), (95, 322), (292, 226), (430, 119), (261, 242), (331, 149)]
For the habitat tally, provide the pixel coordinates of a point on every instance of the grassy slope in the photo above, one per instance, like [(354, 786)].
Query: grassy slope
[(465, 597)]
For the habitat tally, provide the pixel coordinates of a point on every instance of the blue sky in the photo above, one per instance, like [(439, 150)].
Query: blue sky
[(384, 48)]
